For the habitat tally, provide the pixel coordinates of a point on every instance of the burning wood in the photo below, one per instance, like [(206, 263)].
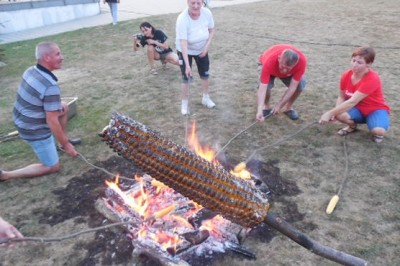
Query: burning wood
[(196, 237), (161, 229), (204, 182)]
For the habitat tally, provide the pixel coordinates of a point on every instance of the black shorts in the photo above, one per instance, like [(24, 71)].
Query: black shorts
[(203, 65)]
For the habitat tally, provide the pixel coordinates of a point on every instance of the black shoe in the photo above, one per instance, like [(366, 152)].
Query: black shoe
[(266, 112), (75, 141), (292, 114)]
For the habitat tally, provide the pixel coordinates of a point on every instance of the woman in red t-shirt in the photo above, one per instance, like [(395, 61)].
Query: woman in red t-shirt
[(361, 99)]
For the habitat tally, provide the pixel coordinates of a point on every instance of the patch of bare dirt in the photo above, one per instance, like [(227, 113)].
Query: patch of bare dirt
[(112, 246)]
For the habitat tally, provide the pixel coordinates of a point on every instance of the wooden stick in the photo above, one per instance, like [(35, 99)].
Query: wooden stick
[(329, 253)]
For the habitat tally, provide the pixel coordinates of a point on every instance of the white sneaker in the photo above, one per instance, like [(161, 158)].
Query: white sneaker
[(185, 107), (207, 101)]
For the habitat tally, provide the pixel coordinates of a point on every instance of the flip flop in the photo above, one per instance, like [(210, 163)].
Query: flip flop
[(346, 131)]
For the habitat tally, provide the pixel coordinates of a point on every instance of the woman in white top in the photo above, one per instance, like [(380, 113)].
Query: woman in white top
[(194, 32)]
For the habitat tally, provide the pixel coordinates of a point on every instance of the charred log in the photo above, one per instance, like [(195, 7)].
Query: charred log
[(196, 237), (143, 252), (197, 219)]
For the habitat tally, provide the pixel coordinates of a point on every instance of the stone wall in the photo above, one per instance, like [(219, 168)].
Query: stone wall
[(18, 16)]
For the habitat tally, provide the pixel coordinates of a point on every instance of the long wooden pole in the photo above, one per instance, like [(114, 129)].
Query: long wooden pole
[(290, 231)]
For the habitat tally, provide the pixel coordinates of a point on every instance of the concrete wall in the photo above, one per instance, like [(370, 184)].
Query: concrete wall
[(18, 16)]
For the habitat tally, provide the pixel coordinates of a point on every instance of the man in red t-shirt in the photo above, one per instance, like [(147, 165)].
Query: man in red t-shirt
[(289, 64)]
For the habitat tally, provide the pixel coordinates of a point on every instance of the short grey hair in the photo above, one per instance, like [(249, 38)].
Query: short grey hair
[(290, 57), (43, 49)]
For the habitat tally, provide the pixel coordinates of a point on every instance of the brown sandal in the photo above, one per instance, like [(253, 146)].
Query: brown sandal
[(347, 130)]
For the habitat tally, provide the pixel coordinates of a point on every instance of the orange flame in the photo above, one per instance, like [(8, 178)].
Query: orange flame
[(141, 202), (167, 240), (138, 204), (208, 154), (204, 152)]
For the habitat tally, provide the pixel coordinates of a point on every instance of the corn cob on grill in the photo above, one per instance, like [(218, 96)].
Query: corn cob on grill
[(187, 173)]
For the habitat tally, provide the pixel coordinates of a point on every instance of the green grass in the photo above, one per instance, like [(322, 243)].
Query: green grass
[(372, 251), (17, 56)]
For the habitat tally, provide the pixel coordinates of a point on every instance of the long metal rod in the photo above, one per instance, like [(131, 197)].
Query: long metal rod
[(346, 169), (238, 134)]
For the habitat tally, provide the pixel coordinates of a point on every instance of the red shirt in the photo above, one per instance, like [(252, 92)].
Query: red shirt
[(269, 60), (371, 85)]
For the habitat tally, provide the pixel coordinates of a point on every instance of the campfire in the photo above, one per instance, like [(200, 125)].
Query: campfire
[(206, 183), (168, 227)]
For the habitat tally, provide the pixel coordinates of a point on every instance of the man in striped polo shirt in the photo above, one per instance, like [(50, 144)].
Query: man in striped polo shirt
[(40, 116)]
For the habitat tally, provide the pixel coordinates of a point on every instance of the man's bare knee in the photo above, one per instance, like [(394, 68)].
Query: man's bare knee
[(54, 168)]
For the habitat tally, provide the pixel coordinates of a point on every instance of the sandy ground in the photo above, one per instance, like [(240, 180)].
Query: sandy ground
[(107, 76)]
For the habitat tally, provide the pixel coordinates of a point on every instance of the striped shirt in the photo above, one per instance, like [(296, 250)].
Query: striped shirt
[(37, 94)]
